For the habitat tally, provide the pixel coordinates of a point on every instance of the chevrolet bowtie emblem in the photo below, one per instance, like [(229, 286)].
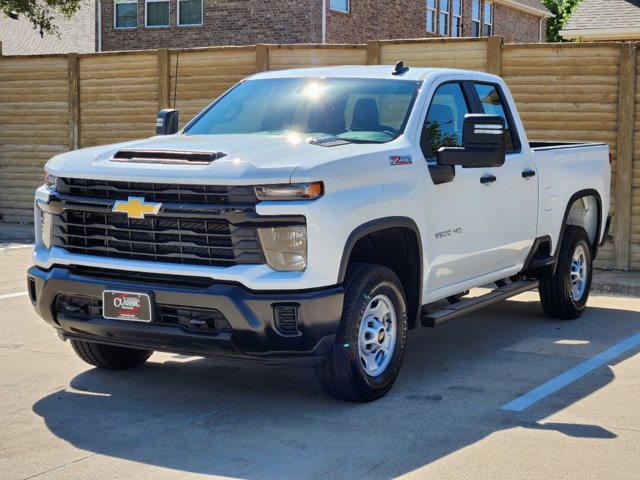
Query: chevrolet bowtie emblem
[(136, 207)]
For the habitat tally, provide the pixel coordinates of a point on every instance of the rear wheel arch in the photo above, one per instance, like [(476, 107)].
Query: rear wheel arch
[(393, 242), (579, 212)]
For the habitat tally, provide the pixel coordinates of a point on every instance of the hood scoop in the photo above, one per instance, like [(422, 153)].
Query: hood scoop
[(171, 157)]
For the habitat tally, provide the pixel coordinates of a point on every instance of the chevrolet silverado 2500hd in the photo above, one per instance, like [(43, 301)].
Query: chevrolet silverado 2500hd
[(311, 218)]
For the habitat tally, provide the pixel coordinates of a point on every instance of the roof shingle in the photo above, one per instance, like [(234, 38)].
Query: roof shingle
[(18, 37), (609, 14)]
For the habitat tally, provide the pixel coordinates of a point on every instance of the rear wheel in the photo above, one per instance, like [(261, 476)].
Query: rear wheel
[(565, 295), (369, 348), (108, 356)]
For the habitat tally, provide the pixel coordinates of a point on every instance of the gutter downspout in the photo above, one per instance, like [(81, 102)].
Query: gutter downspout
[(324, 21), (539, 30), (99, 16)]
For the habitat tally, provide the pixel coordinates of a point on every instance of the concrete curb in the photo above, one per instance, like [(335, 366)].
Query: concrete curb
[(16, 233), (616, 282)]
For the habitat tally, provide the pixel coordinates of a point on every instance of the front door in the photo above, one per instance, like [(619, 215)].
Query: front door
[(463, 213)]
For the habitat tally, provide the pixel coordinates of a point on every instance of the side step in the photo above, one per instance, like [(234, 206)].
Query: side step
[(433, 319)]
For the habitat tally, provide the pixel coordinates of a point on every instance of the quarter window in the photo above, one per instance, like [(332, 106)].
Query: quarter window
[(445, 119), (157, 13), (487, 27), (189, 12), (444, 17), (339, 5), (475, 18), (492, 104), (431, 16), (126, 13)]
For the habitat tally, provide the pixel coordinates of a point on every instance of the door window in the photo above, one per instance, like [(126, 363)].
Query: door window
[(493, 104), (445, 119)]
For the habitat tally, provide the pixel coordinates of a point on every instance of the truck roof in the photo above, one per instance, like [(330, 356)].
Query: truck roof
[(360, 71)]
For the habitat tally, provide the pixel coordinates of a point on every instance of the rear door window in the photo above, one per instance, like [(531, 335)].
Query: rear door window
[(492, 103)]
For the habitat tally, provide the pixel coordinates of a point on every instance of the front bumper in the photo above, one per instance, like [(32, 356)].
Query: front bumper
[(253, 335)]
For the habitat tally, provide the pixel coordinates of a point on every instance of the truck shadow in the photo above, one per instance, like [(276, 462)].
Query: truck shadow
[(213, 417)]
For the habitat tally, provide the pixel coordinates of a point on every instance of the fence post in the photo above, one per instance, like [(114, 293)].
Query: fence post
[(74, 100), (374, 52), (494, 55), (624, 160), (262, 58), (164, 80)]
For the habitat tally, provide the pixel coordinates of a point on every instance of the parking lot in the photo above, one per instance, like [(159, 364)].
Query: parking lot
[(187, 417)]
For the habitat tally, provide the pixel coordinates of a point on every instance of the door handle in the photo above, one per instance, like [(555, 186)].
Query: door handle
[(487, 179), (528, 173)]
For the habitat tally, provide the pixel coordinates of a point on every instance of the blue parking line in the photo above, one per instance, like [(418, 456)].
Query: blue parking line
[(552, 386)]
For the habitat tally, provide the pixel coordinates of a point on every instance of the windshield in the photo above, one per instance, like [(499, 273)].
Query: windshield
[(353, 110)]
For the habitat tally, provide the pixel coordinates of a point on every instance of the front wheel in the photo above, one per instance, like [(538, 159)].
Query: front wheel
[(369, 348), (565, 295), (108, 356)]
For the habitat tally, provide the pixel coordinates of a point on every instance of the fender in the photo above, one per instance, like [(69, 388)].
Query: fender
[(371, 227), (576, 196)]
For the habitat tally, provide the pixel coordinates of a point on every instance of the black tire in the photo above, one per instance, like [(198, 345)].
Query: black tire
[(556, 292), (342, 373), (108, 356)]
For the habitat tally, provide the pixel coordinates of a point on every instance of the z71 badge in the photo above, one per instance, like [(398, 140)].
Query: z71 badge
[(401, 160)]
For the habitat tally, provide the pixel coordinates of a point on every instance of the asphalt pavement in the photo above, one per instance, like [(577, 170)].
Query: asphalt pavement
[(188, 417)]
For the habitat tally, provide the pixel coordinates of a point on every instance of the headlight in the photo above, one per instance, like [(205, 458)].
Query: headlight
[(291, 191), (285, 248), (46, 226), (50, 180)]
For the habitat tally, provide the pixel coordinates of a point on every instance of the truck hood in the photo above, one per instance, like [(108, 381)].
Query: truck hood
[(247, 159)]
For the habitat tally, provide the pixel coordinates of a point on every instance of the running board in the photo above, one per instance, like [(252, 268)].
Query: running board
[(433, 319)]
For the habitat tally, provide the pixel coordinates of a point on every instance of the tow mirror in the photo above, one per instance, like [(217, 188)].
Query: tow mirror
[(167, 122), (483, 143)]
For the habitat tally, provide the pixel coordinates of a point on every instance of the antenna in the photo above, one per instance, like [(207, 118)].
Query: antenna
[(400, 68)]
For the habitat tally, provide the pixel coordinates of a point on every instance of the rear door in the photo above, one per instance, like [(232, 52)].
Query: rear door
[(517, 182)]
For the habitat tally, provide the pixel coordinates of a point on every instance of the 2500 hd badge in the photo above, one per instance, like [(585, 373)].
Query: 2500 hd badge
[(448, 233)]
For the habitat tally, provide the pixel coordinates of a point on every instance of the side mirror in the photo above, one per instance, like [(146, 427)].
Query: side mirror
[(483, 143), (167, 122)]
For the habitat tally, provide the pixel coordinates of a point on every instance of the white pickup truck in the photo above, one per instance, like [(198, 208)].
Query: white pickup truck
[(311, 218)]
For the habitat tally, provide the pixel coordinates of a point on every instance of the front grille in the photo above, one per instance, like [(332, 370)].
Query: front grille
[(157, 192), (198, 319), (193, 241)]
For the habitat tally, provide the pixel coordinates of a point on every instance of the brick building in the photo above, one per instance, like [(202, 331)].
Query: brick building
[(144, 24)]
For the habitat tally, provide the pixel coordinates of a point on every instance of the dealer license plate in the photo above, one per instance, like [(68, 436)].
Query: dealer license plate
[(135, 307)]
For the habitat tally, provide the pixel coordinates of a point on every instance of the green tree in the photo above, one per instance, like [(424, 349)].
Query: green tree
[(40, 13), (562, 9)]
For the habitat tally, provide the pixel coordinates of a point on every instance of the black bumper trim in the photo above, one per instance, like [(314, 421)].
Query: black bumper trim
[(250, 314)]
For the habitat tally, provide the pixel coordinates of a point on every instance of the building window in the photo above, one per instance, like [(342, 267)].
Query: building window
[(339, 5), (456, 18), (487, 27), (431, 16), (125, 14), (475, 18), (444, 17), (157, 13), (189, 12)]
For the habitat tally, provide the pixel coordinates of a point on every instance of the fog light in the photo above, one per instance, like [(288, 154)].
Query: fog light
[(285, 248), (46, 226)]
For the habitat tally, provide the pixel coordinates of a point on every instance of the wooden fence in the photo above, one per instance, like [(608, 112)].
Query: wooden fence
[(53, 103)]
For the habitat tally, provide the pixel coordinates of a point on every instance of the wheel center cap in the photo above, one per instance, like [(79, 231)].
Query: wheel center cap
[(381, 336)]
